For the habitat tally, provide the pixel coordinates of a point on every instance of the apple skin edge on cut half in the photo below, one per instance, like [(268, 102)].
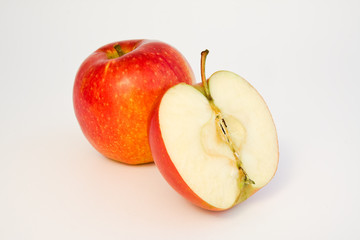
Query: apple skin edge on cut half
[(214, 143)]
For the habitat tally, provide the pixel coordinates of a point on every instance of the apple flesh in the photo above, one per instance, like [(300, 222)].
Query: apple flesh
[(216, 148), (115, 90)]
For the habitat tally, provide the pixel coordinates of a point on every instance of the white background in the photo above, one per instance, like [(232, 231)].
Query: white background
[(302, 56)]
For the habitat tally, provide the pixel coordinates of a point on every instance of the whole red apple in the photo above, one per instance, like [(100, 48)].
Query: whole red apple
[(115, 90)]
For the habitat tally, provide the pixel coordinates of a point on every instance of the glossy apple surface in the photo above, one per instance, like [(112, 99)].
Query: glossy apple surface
[(216, 145), (115, 90)]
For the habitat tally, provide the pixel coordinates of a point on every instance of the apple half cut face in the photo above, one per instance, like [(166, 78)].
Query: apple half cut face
[(218, 150)]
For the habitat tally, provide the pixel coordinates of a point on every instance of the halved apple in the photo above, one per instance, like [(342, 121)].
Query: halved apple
[(215, 144)]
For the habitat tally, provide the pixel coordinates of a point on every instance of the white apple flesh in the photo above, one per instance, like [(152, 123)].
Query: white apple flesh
[(224, 145)]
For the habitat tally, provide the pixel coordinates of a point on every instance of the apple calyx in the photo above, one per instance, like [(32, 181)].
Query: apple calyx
[(221, 125)]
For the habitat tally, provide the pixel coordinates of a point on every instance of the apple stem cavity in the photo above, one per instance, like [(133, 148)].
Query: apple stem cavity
[(117, 53), (222, 127), (119, 50)]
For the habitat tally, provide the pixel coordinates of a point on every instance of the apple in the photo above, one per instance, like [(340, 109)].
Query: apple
[(115, 90), (215, 143)]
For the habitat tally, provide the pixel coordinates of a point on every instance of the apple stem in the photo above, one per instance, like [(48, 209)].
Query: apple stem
[(119, 51), (203, 77)]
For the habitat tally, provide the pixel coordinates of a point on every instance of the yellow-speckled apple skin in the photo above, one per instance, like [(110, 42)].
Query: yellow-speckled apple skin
[(113, 96)]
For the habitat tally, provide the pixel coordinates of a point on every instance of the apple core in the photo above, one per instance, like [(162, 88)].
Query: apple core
[(221, 126)]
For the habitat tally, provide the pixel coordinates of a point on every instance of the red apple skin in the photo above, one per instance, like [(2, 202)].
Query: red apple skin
[(114, 96)]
